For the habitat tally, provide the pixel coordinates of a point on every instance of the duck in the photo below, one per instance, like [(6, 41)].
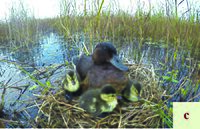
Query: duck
[(102, 67), (71, 85), (131, 91), (99, 101), (104, 54)]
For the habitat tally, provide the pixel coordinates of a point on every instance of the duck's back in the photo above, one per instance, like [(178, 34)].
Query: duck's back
[(83, 65), (99, 75)]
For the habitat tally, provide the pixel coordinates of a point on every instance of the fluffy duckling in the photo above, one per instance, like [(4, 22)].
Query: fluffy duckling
[(71, 85), (99, 101), (131, 91)]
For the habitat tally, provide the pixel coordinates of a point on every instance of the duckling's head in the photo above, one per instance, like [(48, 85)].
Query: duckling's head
[(71, 83), (108, 93), (106, 53), (109, 98), (131, 91)]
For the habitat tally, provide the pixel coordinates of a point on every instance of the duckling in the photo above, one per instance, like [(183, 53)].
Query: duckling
[(99, 101), (104, 54), (131, 91), (71, 85)]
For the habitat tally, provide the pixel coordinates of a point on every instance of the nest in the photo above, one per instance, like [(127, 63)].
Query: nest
[(56, 111)]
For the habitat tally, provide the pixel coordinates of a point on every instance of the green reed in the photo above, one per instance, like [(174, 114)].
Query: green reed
[(110, 24)]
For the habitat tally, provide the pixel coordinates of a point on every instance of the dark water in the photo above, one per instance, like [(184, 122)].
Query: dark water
[(53, 49), (50, 50), (165, 59)]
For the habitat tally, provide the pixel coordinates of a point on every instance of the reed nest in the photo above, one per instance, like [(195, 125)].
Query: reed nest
[(56, 111)]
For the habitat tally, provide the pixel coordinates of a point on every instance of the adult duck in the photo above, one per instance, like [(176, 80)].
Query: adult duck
[(104, 54), (102, 67)]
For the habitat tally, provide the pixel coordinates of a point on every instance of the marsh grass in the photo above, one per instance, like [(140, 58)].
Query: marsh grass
[(21, 28), (3, 31), (154, 26), (106, 24)]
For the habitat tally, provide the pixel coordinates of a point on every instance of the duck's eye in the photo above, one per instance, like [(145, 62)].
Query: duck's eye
[(113, 95)]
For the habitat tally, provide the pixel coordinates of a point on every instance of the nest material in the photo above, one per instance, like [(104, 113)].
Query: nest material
[(55, 111)]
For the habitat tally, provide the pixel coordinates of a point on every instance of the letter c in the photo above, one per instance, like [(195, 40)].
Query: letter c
[(186, 115)]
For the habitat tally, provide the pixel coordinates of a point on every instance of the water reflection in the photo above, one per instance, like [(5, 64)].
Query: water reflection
[(48, 50)]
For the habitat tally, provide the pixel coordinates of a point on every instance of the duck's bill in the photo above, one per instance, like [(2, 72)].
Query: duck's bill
[(118, 64), (134, 98)]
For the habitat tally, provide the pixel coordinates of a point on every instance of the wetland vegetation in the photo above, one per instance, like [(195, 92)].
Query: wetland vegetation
[(160, 46)]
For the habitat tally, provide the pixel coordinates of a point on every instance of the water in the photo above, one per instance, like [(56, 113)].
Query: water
[(49, 50), (52, 49), (163, 60)]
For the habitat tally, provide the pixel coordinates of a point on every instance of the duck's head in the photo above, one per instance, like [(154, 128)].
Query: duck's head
[(131, 91), (104, 53), (108, 93), (108, 98), (71, 83)]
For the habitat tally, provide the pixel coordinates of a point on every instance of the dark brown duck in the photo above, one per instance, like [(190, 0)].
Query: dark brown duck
[(102, 67)]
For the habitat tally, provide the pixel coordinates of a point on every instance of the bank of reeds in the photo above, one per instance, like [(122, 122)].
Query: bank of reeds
[(111, 24), (117, 25), (20, 28)]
